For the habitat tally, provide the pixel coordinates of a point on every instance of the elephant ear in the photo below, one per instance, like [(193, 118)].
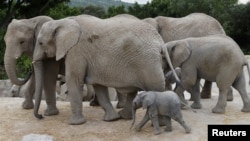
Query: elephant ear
[(147, 100), (66, 36), (179, 52)]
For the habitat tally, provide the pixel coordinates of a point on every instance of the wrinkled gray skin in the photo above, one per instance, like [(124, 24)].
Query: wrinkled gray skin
[(20, 39), (165, 105), (95, 53), (216, 58), (192, 25)]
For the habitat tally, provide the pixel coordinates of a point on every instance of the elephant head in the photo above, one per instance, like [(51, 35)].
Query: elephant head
[(179, 52), (143, 100), (169, 76), (64, 33), (20, 40)]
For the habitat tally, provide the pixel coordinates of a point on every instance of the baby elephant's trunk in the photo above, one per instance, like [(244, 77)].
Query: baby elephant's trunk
[(133, 114)]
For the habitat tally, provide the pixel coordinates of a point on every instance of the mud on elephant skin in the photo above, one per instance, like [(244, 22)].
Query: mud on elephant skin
[(164, 105), (216, 58), (106, 60)]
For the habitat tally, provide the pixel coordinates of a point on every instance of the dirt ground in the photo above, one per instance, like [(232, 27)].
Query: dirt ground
[(16, 122)]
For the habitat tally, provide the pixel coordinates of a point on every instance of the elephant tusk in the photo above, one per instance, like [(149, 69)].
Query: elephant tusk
[(33, 62)]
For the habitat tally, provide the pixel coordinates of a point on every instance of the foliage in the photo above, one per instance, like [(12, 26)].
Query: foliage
[(93, 10), (238, 25), (104, 3), (62, 10), (2, 50)]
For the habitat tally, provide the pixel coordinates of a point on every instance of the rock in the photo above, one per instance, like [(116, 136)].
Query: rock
[(37, 137)]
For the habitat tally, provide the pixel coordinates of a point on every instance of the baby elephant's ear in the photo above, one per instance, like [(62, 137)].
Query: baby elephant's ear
[(148, 99)]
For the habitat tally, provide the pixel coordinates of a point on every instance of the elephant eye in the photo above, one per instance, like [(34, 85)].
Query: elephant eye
[(40, 43)]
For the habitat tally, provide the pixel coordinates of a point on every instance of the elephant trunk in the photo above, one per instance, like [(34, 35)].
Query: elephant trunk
[(39, 75), (10, 68), (133, 114)]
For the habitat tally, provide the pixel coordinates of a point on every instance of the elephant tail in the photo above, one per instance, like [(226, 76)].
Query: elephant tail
[(166, 54), (248, 69)]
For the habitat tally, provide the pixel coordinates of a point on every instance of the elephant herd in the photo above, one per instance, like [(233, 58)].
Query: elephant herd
[(128, 54)]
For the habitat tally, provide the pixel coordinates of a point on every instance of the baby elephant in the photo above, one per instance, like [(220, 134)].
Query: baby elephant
[(165, 105)]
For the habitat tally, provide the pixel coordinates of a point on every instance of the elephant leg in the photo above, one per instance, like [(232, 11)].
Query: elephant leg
[(162, 120), (153, 115), (75, 89), (168, 86), (126, 112), (144, 120), (104, 101), (222, 101), (121, 97), (168, 124), (29, 93), (94, 101), (90, 92), (180, 92), (230, 96), (50, 95), (51, 69), (240, 85), (180, 120), (206, 90), (195, 92)]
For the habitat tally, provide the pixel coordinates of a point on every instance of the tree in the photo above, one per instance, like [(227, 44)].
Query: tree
[(238, 25), (112, 11), (24, 9), (61, 11), (93, 10)]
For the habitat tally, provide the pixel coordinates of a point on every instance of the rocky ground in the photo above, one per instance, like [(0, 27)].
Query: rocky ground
[(17, 124)]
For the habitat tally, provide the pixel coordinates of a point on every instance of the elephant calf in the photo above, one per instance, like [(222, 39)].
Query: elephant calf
[(164, 105)]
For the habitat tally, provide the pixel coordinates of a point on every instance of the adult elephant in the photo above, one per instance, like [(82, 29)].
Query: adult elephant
[(216, 58), (192, 25), (20, 40), (104, 53)]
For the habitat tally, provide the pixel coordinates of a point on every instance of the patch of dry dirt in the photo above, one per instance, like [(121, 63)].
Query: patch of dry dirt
[(16, 122)]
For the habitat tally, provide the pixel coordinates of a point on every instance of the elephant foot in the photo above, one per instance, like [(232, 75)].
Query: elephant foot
[(205, 95), (77, 120), (125, 114), (28, 104), (246, 108), (51, 111), (138, 129), (168, 129), (158, 132), (196, 106), (218, 110), (111, 117), (187, 129), (94, 102)]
